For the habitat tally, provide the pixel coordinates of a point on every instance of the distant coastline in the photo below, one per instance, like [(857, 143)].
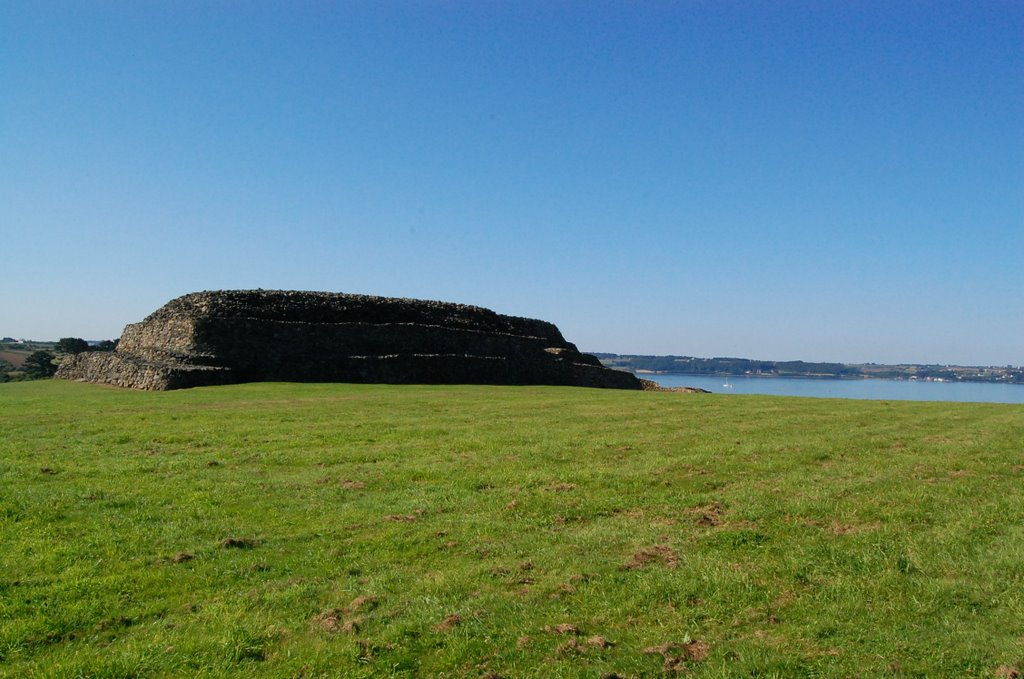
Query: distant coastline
[(736, 367)]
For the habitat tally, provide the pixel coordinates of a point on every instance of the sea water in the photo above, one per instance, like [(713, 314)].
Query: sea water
[(863, 388)]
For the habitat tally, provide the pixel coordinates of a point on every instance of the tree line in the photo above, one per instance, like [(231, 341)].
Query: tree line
[(42, 363)]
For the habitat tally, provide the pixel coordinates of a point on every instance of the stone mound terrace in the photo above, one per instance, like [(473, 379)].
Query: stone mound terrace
[(234, 336)]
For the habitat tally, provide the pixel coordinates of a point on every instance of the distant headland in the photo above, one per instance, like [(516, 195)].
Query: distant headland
[(689, 365)]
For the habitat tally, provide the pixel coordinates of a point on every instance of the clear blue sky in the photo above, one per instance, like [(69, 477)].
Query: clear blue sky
[(820, 180)]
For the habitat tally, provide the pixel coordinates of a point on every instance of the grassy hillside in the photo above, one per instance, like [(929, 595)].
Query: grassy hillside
[(282, 530)]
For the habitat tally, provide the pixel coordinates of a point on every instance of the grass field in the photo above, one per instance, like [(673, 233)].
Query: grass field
[(280, 530)]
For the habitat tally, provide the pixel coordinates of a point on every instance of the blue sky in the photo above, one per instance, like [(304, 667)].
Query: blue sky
[(777, 180)]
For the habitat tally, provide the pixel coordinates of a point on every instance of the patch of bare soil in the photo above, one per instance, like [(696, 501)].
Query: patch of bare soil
[(449, 623), (709, 515), (563, 589), (353, 485), (1007, 672), (363, 603), (343, 619), (677, 655), (574, 645), (570, 647), (662, 554), (239, 543), (182, 557), (563, 628), (329, 620), (562, 487)]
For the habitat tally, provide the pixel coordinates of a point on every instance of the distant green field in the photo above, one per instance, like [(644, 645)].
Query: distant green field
[(281, 530)]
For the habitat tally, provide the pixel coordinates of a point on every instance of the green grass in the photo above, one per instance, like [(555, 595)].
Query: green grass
[(766, 537)]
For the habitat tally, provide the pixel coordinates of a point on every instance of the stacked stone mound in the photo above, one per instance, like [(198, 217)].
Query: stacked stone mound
[(228, 337)]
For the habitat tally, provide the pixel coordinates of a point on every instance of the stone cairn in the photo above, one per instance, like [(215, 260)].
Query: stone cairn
[(228, 337)]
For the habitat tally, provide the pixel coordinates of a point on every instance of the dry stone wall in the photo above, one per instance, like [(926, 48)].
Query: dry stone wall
[(261, 335)]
